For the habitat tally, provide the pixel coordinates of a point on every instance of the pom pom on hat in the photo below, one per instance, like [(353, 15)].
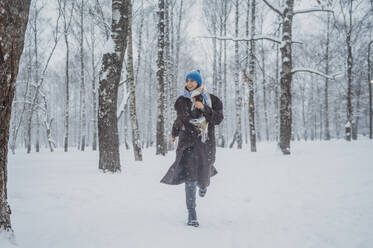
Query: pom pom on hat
[(196, 76)]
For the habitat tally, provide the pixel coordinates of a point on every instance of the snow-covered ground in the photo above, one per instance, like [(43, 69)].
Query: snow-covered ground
[(320, 196)]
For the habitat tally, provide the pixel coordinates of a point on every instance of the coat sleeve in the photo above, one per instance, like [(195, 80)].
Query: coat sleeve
[(176, 128), (214, 115)]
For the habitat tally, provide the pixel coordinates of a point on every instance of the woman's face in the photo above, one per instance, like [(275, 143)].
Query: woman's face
[(191, 84)]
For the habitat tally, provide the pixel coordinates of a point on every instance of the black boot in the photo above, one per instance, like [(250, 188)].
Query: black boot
[(192, 217), (190, 196), (202, 192)]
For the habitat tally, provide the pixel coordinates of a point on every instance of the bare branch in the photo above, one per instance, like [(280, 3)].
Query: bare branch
[(267, 37), (301, 69), (123, 82), (304, 11), (273, 8), (256, 37)]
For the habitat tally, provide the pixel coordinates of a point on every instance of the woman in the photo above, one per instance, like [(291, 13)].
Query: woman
[(197, 114)]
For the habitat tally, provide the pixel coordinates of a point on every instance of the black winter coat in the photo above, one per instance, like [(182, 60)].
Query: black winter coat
[(189, 137)]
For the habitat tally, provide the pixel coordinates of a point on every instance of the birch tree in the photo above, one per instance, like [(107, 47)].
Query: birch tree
[(161, 146), (136, 144), (237, 79), (250, 78), (287, 70)]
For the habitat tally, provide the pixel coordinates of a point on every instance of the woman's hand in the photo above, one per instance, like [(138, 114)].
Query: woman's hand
[(198, 105), (172, 140)]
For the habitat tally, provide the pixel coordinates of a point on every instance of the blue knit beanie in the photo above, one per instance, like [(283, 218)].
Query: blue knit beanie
[(195, 75)]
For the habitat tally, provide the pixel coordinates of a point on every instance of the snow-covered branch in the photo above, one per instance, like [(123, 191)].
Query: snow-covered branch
[(123, 82), (277, 10), (267, 37), (256, 37), (301, 69), (304, 11)]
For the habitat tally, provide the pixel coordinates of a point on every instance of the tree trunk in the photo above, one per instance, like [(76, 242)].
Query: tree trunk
[(48, 123), (214, 62), (225, 123), (37, 146), (37, 143), (111, 69), (327, 131), (82, 86), (94, 97), (13, 19), (167, 76), (370, 93), (220, 129), (178, 42), (355, 130), (161, 145), (250, 80), (132, 96), (286, 77), (319, 96), (150, 116), (305, 133), (276, 100), (237, 81), (67, 92), (264, 93), (348, 126)]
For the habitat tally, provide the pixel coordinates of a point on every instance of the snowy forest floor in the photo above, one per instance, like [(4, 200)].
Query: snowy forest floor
[(320, 196)]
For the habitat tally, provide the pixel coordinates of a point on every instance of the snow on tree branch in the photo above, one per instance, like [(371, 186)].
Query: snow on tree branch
[(267, 37), (277, 10), (302, 69), (256, 37), (123, 82), (304, 11)]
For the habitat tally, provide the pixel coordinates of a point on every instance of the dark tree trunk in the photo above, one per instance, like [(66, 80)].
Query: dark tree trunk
[(250, 80), (161, 147), (13, 19), (82, 86), (112, 62), (286, 77), (370, 93), (348, 126)]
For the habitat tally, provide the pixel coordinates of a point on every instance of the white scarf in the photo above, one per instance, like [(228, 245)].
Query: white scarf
[(201, 122)]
